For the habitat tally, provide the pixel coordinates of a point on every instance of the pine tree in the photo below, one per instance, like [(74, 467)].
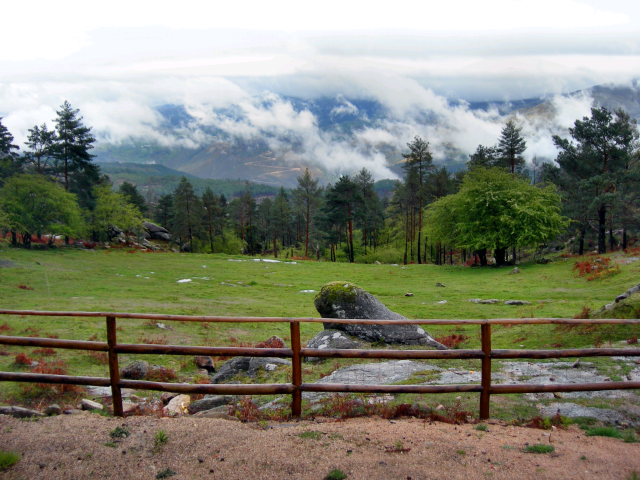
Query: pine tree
[(41, 142), (71, 152), (307, 196), (163, 210), (130, 192), (212, 213), (418, 159), (511, 146), (10, 163), (186, 214)]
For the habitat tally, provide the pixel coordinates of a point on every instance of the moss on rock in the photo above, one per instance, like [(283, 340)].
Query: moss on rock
[(338, 292)]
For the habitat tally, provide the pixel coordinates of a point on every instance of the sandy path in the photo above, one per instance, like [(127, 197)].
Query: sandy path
[(72, 447)]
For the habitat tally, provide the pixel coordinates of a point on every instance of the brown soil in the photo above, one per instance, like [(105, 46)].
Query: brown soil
[(73, 447)]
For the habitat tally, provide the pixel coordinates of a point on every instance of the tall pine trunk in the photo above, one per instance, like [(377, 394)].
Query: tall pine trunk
[(602, 214)]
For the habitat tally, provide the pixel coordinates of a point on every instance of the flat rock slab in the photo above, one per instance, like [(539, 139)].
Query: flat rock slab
[(20, 412), (330, 339), (382, 373), (572, 410)]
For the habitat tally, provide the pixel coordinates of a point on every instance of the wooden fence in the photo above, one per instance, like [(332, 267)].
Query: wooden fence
[(296, 353)]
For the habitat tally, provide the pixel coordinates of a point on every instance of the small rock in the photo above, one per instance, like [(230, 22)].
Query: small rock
[(438, 284), (177, 406), (53, 410), (557, 395), (20, 412), (517, 302), (408, 294), (90, 405), (220, 415), (167, 397), (440, 407), (377, 262), (514, 271), (475, 300), (72, 411), (209, 402), (135, 371), (491, 301), (129, 407), (206, 363), (621, 297), (576, 364)]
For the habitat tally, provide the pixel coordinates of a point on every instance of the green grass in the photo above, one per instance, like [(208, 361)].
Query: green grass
[(311, 435), (604, 432), (82, 280), (119, 432), (7, 459), (166, 473), (481, 426), (539, 448)]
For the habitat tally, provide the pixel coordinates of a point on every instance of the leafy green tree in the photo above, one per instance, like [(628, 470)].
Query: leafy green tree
[(186, 217), (113, 212), (41, 142), (511, 146), (419, 159), (10, 162), (494, 210), (598, 156), (130, 192), (307, 196), (71, 153), (33, 204)]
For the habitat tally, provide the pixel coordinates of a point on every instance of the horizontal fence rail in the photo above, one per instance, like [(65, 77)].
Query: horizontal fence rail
[(297, 352)]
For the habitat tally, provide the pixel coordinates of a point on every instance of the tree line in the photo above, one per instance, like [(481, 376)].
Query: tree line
[(496, 207)]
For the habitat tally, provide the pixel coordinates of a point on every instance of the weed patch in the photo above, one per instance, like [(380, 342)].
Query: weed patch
[(335, 474), (166, 473), (160, 438), (539, 448), (603, 432), (7, 459)]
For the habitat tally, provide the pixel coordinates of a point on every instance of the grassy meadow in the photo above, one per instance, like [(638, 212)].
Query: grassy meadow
[(120, 281)]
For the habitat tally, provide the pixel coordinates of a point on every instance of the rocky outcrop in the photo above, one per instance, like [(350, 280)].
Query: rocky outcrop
[(246, 365), (209, 402), (624, 305), (156, 231), (20, 412), (330, 339), (346, 300), (205, 362)]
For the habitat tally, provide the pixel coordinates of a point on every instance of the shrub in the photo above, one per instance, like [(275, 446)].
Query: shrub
[(161, 374), (584, 314), (481, 426), (22, 359), (8, 459), (119, 432), (452, 341), (45, 352), (24, 287), (539, 448), (154, 340)]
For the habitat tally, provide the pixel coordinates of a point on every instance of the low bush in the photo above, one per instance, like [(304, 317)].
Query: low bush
[(7, 459), (539, 448), (603, 432)]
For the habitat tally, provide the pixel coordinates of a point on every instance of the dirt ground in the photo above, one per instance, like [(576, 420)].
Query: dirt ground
[(73, 447)]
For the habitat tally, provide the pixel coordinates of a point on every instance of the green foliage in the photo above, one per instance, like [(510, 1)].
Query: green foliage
[(111, 211), (33, 204), (495, 210), (311, 435), (166, 473), (481, 426), (119, 432), (7, 459), (539, 448), (133, 197), (335, 474)]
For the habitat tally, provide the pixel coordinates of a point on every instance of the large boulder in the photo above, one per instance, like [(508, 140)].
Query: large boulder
[(330, 340), (136, 370), (346, 300), (246, 365)]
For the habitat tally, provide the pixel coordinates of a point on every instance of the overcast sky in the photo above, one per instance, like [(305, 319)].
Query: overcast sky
[(117, 60)]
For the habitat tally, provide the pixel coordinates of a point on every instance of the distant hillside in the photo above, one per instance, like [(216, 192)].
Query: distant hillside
[(159, 180), (253, 160)]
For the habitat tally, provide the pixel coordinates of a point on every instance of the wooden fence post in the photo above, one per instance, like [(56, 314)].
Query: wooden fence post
[(296, 403), (485, 332), (114, 372)]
